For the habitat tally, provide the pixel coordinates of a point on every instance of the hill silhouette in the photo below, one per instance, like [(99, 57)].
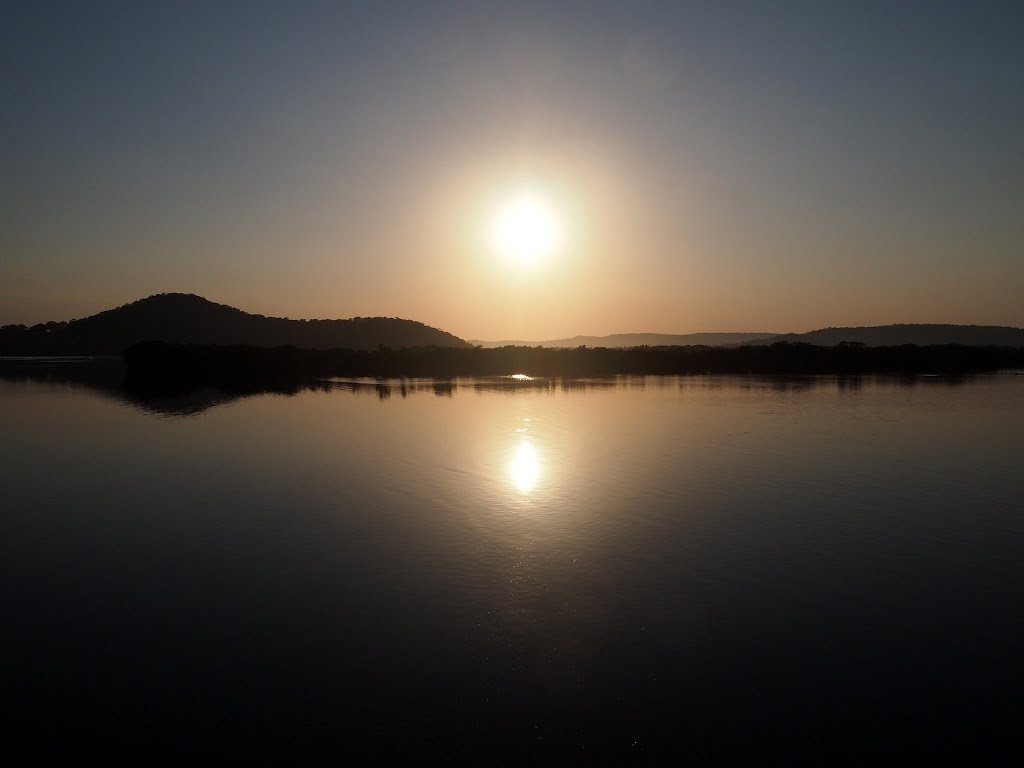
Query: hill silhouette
[(921, 334), (182, 318), (617, 340)]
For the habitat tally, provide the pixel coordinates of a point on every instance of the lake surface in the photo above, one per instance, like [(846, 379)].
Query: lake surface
[(634, 569)]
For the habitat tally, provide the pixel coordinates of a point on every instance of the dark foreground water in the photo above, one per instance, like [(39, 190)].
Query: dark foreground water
[(653, 570)]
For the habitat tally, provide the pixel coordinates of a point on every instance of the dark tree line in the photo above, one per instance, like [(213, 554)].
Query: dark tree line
[(240, 363)]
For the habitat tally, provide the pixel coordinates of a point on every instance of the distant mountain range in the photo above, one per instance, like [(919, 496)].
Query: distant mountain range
[(637, 340), (871, 336), (187, 319), (181, 318)]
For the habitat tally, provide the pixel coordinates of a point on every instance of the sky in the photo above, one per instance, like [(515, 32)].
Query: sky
[(709, 166)]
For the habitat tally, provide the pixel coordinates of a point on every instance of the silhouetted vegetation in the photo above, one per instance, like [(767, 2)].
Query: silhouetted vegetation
[(186, 319), (236, 364)]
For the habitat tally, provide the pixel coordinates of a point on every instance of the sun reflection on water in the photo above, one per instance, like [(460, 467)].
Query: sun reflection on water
[(525, 467)]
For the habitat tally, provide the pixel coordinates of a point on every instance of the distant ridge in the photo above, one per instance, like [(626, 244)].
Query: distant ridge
[(183, 318), (921, 334), (616, 340)]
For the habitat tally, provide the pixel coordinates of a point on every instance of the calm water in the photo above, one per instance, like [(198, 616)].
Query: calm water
[(654, 569)]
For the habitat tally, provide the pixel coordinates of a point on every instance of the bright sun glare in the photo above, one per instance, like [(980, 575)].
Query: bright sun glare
[(526, 229), (525, 467)]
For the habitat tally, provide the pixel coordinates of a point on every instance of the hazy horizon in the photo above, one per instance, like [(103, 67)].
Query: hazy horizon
[(705, 169), (633, 332)]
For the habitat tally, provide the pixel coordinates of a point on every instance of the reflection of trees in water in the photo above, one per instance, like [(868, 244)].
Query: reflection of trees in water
[(850, 383), (169, 396), (108, 378)]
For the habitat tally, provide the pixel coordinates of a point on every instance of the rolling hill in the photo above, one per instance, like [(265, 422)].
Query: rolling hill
[(188, 319)]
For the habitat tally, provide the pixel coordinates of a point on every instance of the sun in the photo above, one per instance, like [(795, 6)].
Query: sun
[(526, 229)]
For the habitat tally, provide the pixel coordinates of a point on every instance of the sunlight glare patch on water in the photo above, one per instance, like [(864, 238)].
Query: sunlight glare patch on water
[(525, 467)]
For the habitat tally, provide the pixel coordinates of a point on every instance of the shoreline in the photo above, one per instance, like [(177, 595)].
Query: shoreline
[(246, 363)]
